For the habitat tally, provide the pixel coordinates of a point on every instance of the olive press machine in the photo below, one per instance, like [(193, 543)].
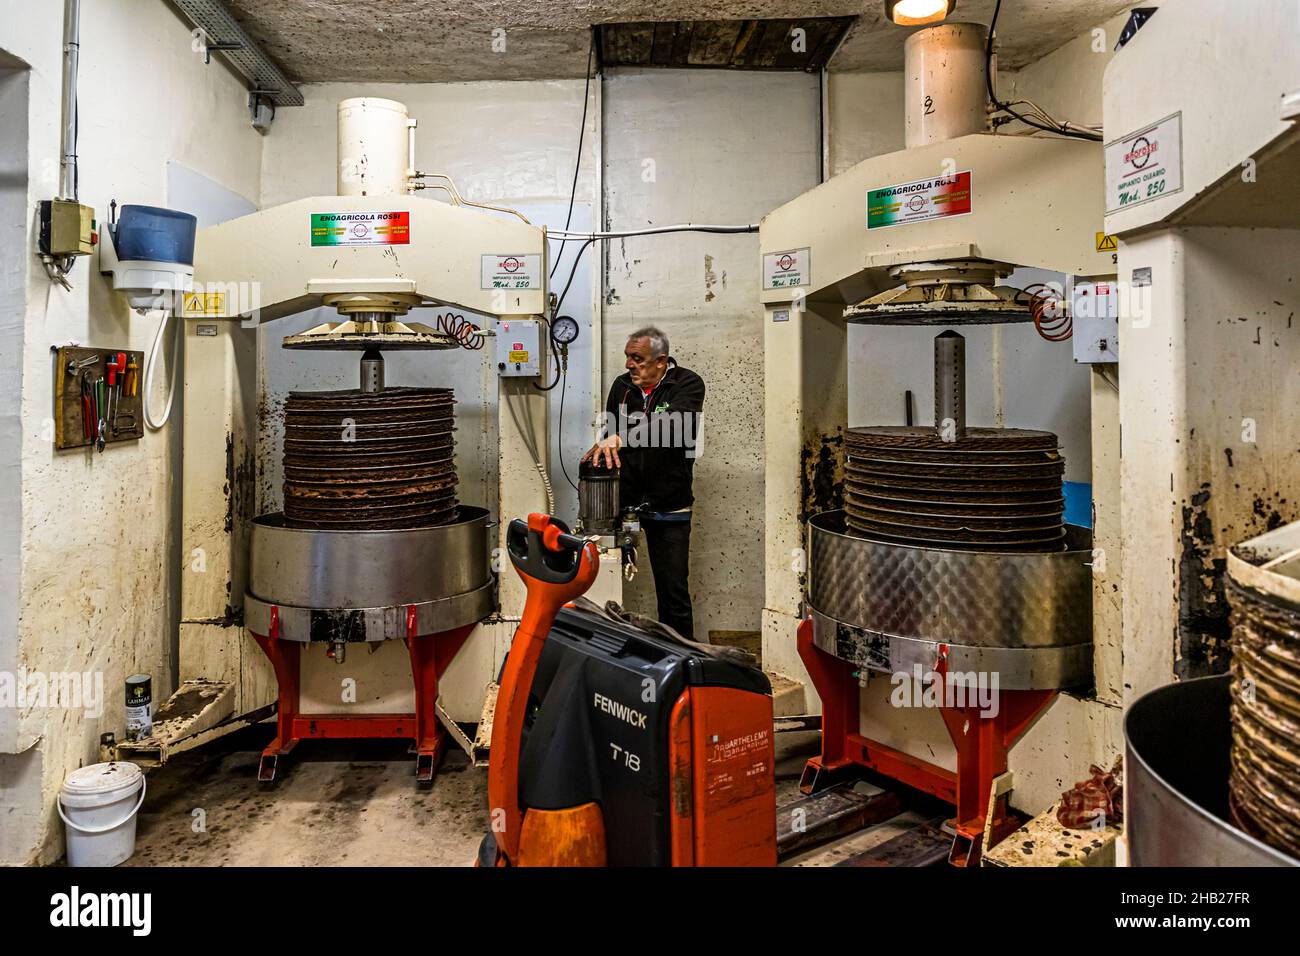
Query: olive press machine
[(923, 237), (338, 576)]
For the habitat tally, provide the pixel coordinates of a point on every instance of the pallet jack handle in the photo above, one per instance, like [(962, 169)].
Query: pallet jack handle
[(556, 567)]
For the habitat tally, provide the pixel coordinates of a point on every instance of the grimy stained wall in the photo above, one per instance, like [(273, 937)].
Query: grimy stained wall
[(97, 587), (709, 147)]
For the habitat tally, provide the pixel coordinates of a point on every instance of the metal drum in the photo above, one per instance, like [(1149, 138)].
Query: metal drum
[(887, 607), (597, 499), (331, 585), (1178, 740)]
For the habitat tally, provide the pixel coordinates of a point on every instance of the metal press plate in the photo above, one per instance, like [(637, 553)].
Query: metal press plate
[(981, 313), (971, 598), (364, 341)]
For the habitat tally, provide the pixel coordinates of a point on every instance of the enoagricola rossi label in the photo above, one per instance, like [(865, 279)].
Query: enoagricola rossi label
[(360, 228), (919, 201)]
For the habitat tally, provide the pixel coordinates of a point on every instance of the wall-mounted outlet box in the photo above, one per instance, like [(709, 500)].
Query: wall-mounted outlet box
[(1094, 309), (67, 228)]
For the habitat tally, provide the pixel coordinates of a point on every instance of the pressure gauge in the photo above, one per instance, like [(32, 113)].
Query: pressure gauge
[(564, 330)]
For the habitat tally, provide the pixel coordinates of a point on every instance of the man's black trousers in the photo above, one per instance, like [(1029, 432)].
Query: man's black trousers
[(670, 558)]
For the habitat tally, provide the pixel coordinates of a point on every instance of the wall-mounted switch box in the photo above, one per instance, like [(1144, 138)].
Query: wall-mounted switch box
[(67, 228), (1094, 309), (519, 348)]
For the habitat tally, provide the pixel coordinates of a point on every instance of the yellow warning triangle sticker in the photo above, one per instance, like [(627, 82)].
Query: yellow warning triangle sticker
[(1106, 243), (204, 303)]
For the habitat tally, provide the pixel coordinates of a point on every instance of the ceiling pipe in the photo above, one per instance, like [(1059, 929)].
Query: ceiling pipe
[(71, 65)]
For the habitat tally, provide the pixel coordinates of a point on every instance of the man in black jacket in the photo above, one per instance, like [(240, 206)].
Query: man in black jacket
[(652, 435)]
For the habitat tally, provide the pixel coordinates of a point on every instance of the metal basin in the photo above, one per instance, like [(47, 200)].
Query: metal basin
[(363, 585), (1027, 616), (1176, 769)]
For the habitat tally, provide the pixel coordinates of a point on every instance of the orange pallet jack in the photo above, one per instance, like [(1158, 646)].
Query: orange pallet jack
[(613, 746)]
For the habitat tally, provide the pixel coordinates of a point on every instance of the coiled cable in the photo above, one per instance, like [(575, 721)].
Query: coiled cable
[(1051, 318), (466, 333)]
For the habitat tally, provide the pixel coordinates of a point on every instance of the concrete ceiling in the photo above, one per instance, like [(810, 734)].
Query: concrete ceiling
[(407, 41), (1027, 31)]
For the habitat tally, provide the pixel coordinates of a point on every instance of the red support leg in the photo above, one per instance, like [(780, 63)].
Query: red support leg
[(284, 656), (838, 690), (982, 743), (430, 656), (1022, 709)]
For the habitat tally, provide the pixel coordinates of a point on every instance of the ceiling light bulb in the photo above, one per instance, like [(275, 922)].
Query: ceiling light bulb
[(916, 13)]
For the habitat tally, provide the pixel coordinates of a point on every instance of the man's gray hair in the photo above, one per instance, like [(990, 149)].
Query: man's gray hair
[(658, 341)]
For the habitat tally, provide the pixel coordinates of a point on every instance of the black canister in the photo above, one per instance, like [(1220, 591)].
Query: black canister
[(597, 499)]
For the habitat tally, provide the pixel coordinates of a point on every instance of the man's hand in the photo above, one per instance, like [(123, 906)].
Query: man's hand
[(604, 452)]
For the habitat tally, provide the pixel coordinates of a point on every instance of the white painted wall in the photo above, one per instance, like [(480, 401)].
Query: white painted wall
[(864, 117), (713, 147), (98, 561), (1210, 434), (20, 765), (14, 84), (1067, 82)]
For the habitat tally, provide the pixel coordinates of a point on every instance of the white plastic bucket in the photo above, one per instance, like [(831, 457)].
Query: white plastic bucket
[(98, 805)]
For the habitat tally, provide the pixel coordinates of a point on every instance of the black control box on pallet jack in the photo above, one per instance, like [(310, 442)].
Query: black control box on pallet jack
[(673, 742)]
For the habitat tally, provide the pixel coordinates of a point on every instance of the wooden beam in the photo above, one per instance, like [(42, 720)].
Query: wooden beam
[(682, 43), (829, 815), (814, 31), (722, 44), (744, 40), (923, 845), (665, 40), (712, 42), (830, 42)]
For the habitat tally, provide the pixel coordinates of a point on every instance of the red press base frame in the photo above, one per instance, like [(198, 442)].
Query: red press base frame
[(982, 744), (430, 655)]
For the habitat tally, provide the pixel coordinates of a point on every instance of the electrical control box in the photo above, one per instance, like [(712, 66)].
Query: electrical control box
[(1094, 309), (519, 348), (67, 228)]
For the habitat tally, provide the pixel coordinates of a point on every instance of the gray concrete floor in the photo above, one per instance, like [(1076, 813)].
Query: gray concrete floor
[(356, 803), (337, 803)]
